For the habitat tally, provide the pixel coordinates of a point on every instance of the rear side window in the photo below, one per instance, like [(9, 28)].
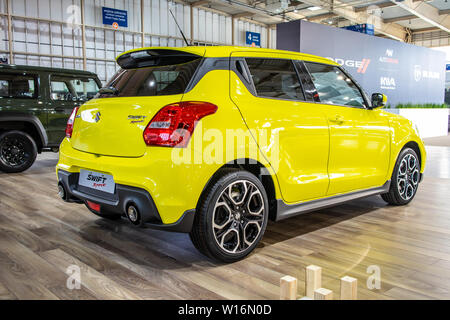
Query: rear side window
[(334, 87), (65, 88), (275, 78), (60, 91), (86, 88), (18, 86), (152, 81)]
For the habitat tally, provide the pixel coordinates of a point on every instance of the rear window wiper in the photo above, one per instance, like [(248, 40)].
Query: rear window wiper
[(109, 90)]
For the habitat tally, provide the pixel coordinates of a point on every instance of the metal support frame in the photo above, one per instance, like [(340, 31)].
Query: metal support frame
[(10, 40), (232, 31), (192, 23), (83, 36), (142, 24)]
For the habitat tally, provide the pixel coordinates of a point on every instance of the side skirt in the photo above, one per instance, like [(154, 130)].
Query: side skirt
[(285, 211)]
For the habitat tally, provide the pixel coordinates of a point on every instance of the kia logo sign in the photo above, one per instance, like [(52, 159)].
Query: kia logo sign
[(387, 83)]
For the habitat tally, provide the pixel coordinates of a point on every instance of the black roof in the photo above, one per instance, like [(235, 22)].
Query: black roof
[(34, 68)]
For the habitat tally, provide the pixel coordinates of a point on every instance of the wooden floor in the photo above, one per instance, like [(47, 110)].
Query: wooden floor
[(40, 237)]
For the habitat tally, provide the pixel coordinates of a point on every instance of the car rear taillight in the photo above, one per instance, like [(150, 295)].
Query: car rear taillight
[(70, 121), (174, 124)]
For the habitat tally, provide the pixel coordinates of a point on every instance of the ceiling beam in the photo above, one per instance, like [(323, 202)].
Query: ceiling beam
[(426, 12), (321, 17), (402, 18), (243, 15), (430, 29), (392, 30), (378, 5), (200, 3)]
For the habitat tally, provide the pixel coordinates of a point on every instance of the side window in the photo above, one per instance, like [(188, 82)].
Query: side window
[(4, 88), (85, 88), (275, 78), (17, 86), (334, 87), (60, 91)]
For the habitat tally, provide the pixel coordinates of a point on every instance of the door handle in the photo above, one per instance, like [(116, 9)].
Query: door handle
[(59, 109), (337, 119)]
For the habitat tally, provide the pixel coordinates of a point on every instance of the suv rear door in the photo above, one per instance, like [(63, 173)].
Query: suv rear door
[(20, 93), (274, 104)]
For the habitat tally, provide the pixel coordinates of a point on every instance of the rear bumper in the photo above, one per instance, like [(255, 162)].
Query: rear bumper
[(119, 202)]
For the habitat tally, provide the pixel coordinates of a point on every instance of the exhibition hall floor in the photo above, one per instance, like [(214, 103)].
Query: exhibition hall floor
[(41, 236)]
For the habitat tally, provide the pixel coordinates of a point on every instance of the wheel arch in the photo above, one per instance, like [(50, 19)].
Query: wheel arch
[(258, 170), (27, 123), (415, 146)]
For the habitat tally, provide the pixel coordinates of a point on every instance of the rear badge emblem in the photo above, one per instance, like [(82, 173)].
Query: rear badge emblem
[(97, 116), (136, 119)]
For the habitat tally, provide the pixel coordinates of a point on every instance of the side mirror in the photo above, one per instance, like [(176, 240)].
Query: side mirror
[(379, 100)]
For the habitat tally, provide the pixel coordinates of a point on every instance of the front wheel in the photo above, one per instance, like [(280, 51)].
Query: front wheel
[(405, 179), (231, 217), (18, 151)]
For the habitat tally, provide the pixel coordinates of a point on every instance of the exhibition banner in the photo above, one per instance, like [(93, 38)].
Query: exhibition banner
[(405, 73)]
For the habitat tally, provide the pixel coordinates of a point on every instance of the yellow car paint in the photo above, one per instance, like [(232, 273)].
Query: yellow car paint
[(324, 150)]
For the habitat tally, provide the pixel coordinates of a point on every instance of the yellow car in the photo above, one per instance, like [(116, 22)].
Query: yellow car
[(214, 141)]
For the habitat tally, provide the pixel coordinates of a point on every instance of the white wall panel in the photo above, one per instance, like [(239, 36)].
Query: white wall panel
[(50, 33)]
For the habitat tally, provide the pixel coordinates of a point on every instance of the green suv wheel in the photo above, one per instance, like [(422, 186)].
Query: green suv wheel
[(18, 151)]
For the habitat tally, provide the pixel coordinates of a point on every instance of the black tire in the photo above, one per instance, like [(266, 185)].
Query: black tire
[(109, 216), (395, 196), (243, 223), (18, 151)]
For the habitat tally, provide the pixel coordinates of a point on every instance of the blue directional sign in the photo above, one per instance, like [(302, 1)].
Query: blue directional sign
[(253, 38), (112, 16), (447, 67)]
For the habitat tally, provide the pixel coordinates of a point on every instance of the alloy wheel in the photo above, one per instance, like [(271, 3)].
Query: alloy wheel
[(13, 152), (408, 177), (238, 216)]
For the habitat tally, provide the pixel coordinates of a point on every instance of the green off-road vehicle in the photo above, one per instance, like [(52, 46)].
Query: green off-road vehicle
[(35, 103)]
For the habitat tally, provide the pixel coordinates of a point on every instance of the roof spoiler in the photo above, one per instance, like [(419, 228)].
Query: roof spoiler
[(154, 58)]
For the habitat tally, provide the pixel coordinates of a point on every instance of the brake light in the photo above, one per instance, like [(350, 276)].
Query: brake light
[(174, 124), (70, 121)]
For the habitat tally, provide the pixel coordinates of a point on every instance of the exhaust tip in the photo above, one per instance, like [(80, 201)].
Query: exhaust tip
[(62, 192), (133, 214)]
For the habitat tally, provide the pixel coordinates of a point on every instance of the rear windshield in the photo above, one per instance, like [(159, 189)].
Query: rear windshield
[(152, 81)]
